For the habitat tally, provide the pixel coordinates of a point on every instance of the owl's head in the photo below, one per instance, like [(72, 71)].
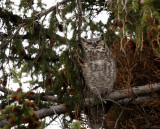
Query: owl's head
[(94, 43)]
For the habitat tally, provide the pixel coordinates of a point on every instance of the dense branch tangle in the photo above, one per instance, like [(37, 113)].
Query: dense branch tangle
[(30, 46), (31, 49), (32, 55)]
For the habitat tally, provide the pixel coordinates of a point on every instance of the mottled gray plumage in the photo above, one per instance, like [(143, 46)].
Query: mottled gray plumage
[(99, 72), (99, 68)]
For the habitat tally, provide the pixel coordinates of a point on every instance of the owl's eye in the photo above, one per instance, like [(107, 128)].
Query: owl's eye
[(89, 43), (98, 41)]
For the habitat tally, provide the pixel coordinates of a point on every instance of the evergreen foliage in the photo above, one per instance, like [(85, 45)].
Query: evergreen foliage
[(33, 51), (137, 20)]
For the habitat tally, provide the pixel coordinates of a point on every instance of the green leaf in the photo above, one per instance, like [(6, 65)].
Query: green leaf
[(42, 125), (76, 125), (9, 96), (23, 69), (25, 66), (15, 80), (13, 72)]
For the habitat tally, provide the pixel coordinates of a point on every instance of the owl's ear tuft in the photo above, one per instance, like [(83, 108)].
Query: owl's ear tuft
[(83, 40), (102, 37)]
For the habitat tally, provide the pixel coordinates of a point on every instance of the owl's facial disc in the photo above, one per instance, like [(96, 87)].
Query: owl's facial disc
[(93, 44)]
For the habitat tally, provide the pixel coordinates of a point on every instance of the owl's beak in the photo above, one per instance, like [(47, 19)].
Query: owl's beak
[(94, 45)]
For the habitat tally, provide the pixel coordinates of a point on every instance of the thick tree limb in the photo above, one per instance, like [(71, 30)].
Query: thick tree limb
[(122, 96), (137, 100), (53, 110), (59, 109), (43, 97), (118, 95), (135, 91), (136, 94)]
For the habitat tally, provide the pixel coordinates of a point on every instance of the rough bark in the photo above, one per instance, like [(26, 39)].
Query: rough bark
[(135, 91), (121, 96), (53, 110)]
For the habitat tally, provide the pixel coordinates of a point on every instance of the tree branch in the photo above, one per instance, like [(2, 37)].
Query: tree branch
[(137, 100), (38, 16), (79, 7), (117, 95), (50, 9), (60, 38), (59, 109), (9, 16), (3, 45), (136, 94), (5, 90), (135, 91)]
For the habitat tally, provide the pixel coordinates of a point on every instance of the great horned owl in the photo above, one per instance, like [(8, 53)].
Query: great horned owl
[(99, 68), (99, 72)]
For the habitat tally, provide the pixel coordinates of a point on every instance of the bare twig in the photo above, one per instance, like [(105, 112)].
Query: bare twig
[(3, 45), (116, 123), (5, 90), (50, 9), (79, 7)]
